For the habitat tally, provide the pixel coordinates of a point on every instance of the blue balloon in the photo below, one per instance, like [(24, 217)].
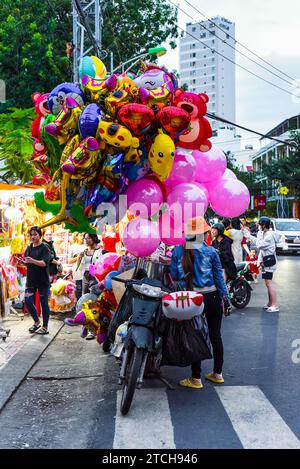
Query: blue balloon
[(108, 278), (89, 120), (58, 96)]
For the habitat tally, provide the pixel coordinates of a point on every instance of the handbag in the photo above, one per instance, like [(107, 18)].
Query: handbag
[(269, 261)]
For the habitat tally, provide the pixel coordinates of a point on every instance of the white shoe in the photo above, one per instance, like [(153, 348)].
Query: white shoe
[(266, 307), (90, 336), (273, 309), (255, 280)]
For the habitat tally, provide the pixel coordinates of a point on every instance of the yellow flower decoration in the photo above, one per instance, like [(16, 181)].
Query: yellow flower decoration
[(283, 190)]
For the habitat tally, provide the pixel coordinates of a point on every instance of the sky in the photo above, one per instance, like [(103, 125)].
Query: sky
[(270, 28)]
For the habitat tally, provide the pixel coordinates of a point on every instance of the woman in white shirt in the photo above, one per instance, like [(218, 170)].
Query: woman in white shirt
[(234, 232), (266, 244), (91, 255)]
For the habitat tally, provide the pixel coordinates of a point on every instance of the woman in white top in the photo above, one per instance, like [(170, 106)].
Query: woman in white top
[(235, 233), (91, 255), (266, 243)]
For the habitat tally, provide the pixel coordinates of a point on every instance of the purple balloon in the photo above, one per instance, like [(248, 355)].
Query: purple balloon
[(229, 197), (89, 120), (141, 237), (211, 165), (169, 233), (190, 199), (229, 174), (147, 193), (183, 170)]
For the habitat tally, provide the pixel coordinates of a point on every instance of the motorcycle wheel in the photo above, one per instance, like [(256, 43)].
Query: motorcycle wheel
[(241, 294), (132, 374)]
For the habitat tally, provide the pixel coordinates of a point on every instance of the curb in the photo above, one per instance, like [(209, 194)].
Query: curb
[(15, 371)]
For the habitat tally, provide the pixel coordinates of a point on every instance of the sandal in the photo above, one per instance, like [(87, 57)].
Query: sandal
[(189, 383), (43, 331), (33, 328)]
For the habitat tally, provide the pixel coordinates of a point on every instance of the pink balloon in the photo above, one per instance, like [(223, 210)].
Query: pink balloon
[(183, 170), (204, 187), (170, 234), (108, 262), (146, 192), (190, 200), (211, 165), (229, 174), (141, 237), (229, 197)]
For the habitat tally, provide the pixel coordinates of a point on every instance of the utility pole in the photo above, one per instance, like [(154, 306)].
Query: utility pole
[(87, 22)]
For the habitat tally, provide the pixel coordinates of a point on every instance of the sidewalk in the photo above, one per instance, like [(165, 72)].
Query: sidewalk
[(20, 352)]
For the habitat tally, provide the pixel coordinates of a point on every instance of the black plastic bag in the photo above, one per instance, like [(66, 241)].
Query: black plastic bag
[(122, 314), (186, 342)]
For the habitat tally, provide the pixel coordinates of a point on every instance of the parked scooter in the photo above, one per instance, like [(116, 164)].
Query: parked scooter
[(142, 345), (240, 288)]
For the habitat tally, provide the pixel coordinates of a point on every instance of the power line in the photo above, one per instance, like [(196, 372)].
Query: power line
[(233, 47), (221, 119), (238, 65), (242, 45)]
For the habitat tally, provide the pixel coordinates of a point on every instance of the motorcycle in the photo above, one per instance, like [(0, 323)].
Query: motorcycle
[(240, 288), (142, 346)]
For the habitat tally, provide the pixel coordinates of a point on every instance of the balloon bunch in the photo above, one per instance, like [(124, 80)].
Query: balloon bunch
[(141, 136)]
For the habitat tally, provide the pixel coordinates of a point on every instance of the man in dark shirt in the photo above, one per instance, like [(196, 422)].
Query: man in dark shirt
[(37, 257), (223, 244)]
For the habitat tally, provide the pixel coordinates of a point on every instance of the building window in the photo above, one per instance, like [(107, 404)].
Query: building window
[(213, 41), (202, 35), (213, 87), (204, 74), (192, 46), (194, 82), (213, 78), (193, 29), (227, 36), (213, 95), (204, 65), (213, 69), (212, 33)]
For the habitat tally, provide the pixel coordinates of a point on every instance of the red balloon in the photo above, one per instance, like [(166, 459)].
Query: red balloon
[(174, 120), (136, 117)]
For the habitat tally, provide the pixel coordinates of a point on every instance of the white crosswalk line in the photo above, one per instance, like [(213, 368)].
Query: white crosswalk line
[(256, 422), (148, 424)]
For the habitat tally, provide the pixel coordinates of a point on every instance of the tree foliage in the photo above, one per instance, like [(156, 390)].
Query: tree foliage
[(16, 146), (33, 37), (287, 170)]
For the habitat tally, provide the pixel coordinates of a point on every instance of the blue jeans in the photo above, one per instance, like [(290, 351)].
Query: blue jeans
[(29, 302)]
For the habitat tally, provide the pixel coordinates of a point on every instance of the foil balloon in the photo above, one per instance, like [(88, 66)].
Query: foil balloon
[(141, 237), (93, 67), (94, 89), (161, 156), (57, 97), (174, 121), (230, 198), (65, 126), (136, 117), (89, 120), (108, 262)]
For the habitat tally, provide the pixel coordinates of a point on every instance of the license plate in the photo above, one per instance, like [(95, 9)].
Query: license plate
[(297, 241)]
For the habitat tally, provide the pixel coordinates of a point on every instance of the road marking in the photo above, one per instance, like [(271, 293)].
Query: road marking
[(148, 425), (256, 422)]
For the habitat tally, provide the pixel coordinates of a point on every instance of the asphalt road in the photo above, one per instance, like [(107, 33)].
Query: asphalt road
[(70, 398)]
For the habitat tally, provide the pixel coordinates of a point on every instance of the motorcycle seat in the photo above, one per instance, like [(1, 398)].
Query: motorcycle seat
[(240, 266)]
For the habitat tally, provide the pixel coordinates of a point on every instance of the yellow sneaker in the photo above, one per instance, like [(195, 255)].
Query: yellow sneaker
[(188, 383), (213, 379)]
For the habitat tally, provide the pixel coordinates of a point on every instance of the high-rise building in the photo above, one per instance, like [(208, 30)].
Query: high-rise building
[(205, 71)]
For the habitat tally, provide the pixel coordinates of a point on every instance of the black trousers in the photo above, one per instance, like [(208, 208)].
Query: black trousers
[(213, 310)]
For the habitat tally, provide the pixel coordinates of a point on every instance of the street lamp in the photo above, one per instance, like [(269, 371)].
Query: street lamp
[(158, 51)]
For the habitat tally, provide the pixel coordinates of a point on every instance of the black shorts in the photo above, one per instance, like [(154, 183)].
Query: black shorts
[(267, 275)]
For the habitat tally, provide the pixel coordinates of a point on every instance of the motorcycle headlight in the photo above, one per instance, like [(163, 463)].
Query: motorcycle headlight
[(149, 290)]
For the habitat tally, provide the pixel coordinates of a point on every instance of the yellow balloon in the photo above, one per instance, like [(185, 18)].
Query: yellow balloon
[(161, 156), (100, 67)]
